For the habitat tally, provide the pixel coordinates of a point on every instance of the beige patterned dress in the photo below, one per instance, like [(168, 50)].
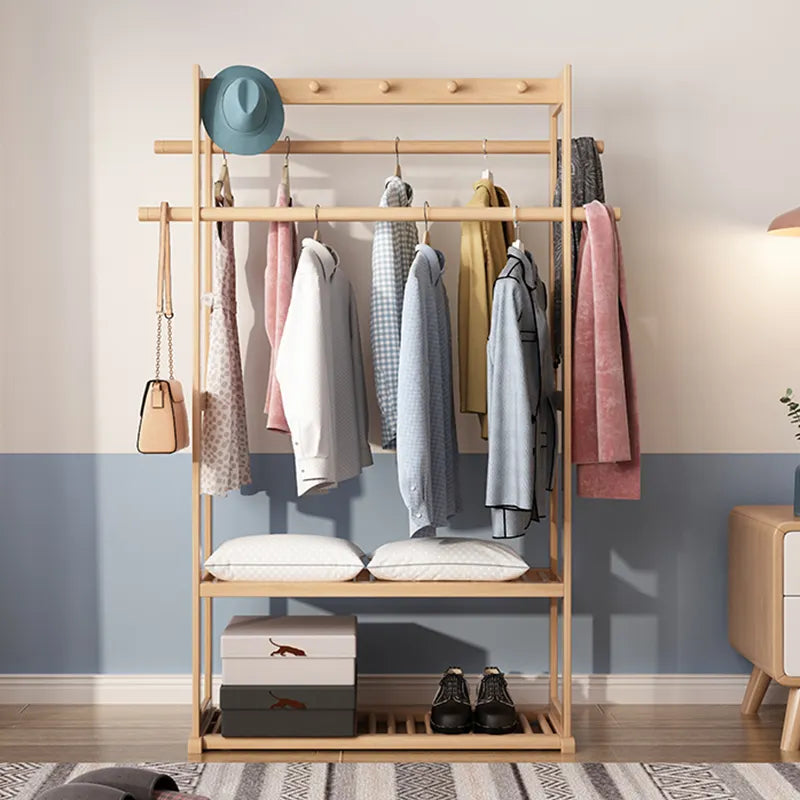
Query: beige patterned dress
[(225, 459)]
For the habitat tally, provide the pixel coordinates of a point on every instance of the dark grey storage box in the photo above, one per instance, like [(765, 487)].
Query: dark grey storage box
[(293, 698), (288, 723)]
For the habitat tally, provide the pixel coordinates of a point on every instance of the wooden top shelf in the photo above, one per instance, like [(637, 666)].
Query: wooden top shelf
[(534, 583), (417, 91)]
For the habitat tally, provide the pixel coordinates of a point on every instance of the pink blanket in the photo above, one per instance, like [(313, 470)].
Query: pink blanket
[(281, 263), (605, 419)]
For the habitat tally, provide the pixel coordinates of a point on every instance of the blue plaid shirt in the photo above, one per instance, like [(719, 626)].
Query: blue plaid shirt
[(392, 254), (427, 450)]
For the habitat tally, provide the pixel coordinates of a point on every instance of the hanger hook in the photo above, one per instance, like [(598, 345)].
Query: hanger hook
[(485, 142), (426, 238), (397, 170), (516, 222), (288, 150), (316, 222)]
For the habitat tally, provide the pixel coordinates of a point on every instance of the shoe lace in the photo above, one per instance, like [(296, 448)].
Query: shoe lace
[(494, 687), (450, 688)]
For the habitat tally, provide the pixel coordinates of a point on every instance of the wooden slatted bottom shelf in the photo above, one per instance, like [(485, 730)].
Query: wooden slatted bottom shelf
[(405, 729)]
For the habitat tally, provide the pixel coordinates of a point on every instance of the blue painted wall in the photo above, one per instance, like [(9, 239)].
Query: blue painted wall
[(94, 566)]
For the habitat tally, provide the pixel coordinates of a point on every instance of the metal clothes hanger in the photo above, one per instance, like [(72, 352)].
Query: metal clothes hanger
[(486, 175), (426, 237), (398, 173), (222, 186), (333, 253), (316, 222), (517, 241), (285, 171)]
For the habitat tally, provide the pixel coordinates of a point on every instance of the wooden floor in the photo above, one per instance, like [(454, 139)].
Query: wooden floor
[(603, 733)]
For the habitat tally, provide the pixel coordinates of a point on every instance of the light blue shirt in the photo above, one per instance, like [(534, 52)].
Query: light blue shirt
[(427, 450)]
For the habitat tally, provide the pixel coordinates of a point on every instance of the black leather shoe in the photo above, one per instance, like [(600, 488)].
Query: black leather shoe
[(451, 711), (494, 711)]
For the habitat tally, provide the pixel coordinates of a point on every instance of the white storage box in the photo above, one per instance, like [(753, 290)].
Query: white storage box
[(294, 651)]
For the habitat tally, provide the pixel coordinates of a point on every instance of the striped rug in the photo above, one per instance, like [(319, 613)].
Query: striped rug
[(543, 781)]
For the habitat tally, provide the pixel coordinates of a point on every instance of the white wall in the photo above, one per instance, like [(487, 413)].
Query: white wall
[(697, 103)]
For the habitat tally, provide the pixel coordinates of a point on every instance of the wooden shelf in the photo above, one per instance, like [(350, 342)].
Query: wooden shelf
[(417, 91), (534, 583), (406, 729)]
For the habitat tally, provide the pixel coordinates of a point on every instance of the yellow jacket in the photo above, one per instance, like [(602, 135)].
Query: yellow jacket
[(484, 247)]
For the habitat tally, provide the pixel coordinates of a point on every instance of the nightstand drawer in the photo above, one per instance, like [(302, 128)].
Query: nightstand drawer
[(791, 563), (791, 636)]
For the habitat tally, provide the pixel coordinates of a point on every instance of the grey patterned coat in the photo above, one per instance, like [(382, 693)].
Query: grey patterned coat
[(521, 402)]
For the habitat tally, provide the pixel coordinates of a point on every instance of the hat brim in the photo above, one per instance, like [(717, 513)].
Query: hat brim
[(233, 141)]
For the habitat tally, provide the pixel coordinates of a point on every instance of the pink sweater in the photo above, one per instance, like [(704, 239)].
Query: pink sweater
[(605, 419), (278, 277)]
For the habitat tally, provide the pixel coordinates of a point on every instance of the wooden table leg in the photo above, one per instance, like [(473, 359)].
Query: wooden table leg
[(790, 740), (756, 689)]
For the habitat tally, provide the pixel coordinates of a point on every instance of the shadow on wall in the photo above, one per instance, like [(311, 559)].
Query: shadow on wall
[(651, 576), (408, 648), (356, 257)]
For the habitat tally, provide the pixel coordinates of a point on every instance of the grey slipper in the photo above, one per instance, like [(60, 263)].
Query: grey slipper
[(138, 783), (84, 791)]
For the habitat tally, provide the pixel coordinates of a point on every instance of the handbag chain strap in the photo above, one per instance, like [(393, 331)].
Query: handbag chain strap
[(164, 293)]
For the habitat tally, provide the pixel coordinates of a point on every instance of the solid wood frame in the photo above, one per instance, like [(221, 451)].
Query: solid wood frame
[(549, 728)]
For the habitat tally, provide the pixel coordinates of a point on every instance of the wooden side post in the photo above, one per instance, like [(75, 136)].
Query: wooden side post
[(566, 300), (208, 520), (196, 411), (554, 504)]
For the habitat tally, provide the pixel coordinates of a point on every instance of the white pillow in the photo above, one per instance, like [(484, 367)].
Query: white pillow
[(286, 557), (446, 559)]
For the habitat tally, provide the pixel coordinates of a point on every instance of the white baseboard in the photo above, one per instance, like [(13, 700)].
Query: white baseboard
[(387, 689)]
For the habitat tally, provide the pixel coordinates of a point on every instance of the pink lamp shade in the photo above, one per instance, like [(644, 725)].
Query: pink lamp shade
[(787, 224)]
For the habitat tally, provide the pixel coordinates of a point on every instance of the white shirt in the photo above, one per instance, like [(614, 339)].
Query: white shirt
[(321, 374)]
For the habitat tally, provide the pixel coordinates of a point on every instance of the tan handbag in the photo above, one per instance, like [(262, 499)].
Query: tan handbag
[(163, 421)]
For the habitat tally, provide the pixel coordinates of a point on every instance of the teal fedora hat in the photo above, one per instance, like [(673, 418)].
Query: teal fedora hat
[(243, 111)]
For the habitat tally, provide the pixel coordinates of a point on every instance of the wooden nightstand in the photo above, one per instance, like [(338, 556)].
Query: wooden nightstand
[(764, 605)]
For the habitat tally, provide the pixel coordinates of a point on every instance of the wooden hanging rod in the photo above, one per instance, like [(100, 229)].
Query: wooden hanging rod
[(387, 147), (417, 91), (364, 214)]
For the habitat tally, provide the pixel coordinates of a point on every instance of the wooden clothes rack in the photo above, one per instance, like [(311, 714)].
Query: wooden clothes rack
[(390, 728)]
